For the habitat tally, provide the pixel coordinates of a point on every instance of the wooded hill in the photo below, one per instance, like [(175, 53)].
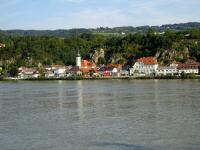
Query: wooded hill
[(102, 30)]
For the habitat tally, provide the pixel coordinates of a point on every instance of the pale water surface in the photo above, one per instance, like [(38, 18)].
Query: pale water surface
[(100, 115)]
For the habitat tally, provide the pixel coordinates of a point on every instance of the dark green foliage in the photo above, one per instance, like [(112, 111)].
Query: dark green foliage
[(13, 71), (103, 30)]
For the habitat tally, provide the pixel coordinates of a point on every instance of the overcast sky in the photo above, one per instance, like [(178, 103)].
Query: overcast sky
[(66, 14)]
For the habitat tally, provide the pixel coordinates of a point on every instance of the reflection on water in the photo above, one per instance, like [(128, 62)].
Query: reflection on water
[(110, 114), (60, 95), (80, 99)]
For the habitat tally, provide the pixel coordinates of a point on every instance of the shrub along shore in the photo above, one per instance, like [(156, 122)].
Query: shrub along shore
[(191, 76)]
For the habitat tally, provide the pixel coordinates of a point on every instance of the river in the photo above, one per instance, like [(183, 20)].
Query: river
[(100, 115)]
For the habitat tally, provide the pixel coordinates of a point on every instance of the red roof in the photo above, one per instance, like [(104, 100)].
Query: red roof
[(87, 70), (115, 65), (86, 63), (87, 66), (148, 60)]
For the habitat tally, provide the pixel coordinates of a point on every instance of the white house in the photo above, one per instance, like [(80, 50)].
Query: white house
[(144, 66), (57, 71), (167, 70), (49, 74), (25, 73), (60, 71)]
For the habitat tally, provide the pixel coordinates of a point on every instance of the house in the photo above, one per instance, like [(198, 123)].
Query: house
[(144, 66), (59, 71), (116, 69), (49, 74), (125, 71), (167, 70), (103, 71), (26, 73), (112, 70), (74, 71), (190, 66), (48, 67)]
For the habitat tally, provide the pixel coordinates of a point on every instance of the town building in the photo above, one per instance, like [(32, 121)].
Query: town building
[(49, 74), (125, 71), (73, 71), (57, 71), (145, 66), (167, 70), (112, 70), (189, 67), (26, 73)]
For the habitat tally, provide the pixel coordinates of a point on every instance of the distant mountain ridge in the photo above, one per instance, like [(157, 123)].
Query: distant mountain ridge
[(101, 30)]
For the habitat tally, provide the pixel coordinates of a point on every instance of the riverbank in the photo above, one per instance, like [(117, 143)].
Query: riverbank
[(103, 78)]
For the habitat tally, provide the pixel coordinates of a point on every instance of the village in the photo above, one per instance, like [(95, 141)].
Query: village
[(143, 67)]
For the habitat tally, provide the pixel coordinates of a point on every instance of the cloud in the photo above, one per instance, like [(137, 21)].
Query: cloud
[(94, 13)]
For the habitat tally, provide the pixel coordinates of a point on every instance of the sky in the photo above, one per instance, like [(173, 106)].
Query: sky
[(67, 14)]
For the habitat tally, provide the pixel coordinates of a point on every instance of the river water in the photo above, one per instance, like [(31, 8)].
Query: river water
[(100, 115)]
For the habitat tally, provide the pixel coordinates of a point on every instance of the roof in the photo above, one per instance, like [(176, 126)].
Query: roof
[(86, 70), (87, 63), (148, 60), (49, 72), (58, 66), (166, 67), (74, 69), (189, 64), (127, 67), (107, 68), (115, 65), (27, 70), (103, 68)]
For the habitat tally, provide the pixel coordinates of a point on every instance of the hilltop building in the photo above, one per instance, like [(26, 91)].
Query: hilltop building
[(2, 45)]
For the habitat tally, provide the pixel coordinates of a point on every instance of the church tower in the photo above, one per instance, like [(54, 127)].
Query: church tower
[(78, 60)]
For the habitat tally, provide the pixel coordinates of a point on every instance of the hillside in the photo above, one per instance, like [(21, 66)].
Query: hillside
[(37, 50), (102, 30)]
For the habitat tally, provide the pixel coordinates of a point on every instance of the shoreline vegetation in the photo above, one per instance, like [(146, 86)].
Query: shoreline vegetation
[(104, 78)]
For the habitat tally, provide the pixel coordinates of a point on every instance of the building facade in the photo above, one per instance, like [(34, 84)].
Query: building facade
[(146, 66)]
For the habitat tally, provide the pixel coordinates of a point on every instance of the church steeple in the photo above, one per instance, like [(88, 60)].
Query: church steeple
[(78, 60)]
